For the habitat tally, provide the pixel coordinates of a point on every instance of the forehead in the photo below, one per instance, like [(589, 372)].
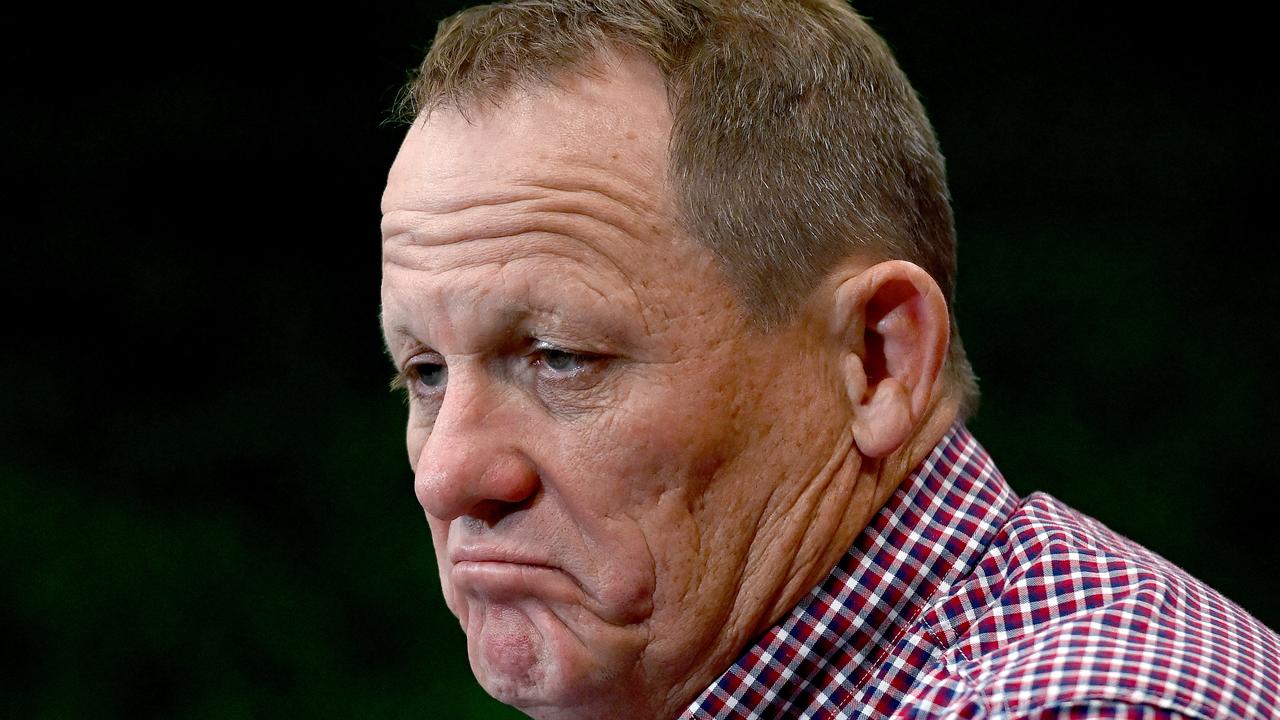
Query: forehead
[(607, 131), (552, 194)]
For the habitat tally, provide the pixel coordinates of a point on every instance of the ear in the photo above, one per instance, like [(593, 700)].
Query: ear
[(891, 326)]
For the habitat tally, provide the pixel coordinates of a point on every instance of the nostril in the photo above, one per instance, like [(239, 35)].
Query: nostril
[(487, 514)]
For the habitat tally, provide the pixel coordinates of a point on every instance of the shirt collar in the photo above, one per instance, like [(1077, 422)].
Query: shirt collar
[(930, 533)]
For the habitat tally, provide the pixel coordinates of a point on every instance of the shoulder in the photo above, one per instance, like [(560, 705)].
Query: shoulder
[(1064, 618)]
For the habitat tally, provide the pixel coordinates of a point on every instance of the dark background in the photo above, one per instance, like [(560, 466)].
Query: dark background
[(205, 506)]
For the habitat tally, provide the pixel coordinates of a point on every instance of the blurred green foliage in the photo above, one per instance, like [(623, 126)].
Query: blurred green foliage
[(205, 507)]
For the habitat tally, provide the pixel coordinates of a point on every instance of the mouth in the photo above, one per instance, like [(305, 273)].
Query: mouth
[(523, 578), (495, 573), (513, 580)]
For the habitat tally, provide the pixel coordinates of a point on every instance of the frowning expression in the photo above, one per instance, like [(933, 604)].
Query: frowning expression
[(593, 422)]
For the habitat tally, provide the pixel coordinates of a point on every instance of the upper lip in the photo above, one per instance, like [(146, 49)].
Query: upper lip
[(494, 554)]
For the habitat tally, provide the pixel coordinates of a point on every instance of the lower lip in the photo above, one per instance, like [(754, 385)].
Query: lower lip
[(507, 579)]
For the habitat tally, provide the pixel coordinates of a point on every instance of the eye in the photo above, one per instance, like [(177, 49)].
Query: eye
[(425, 374), (560, 361), (431, 375)]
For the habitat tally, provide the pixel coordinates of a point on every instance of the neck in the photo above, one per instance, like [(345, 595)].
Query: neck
[(834, 509), (891, 471), (807, 538)]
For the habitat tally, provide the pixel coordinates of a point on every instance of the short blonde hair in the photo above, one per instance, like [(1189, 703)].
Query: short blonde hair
[(797, 139)]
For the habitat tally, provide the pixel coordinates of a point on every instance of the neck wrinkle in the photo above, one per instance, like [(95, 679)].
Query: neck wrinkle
[(800, 544)]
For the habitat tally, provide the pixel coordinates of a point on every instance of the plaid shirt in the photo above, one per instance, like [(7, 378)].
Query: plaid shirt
[(961, 601)]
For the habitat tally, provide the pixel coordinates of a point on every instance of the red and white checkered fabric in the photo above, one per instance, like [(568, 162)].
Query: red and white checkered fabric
[(962, 601)]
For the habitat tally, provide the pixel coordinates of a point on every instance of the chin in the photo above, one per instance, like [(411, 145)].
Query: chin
[(526, 656)]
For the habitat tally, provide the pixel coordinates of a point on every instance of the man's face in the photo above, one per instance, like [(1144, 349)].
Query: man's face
[(601, 443)]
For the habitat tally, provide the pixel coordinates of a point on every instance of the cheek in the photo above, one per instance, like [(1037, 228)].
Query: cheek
[(414, 439), (672, 434), (440, 542), (439, 535), (644, 476), (649, 459), (671, 465)]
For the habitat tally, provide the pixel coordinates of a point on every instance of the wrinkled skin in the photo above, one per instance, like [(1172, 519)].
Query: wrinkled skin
[(625, 482)]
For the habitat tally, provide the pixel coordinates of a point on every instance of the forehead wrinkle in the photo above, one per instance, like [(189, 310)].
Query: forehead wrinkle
[(492, 250), (404, 251), (599, 184), (495, 213), (626, 194), (567, 223), (604, 181), (522, 295)]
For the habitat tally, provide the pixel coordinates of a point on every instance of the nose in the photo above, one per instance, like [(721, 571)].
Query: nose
[(471, 464)]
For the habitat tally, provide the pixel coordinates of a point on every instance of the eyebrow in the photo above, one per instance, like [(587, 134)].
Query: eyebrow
[(512, 316), (397, 331)]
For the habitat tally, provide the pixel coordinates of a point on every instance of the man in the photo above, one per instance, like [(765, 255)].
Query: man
[(667, 283)]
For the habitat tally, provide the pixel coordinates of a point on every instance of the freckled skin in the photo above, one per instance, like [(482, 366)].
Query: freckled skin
[(659, 505)]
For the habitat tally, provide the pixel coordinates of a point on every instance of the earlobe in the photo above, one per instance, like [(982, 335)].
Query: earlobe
[(892, 327), (885, 421)]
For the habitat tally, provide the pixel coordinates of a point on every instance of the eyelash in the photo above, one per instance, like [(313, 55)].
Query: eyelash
[(406, 378), (542, 350)]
